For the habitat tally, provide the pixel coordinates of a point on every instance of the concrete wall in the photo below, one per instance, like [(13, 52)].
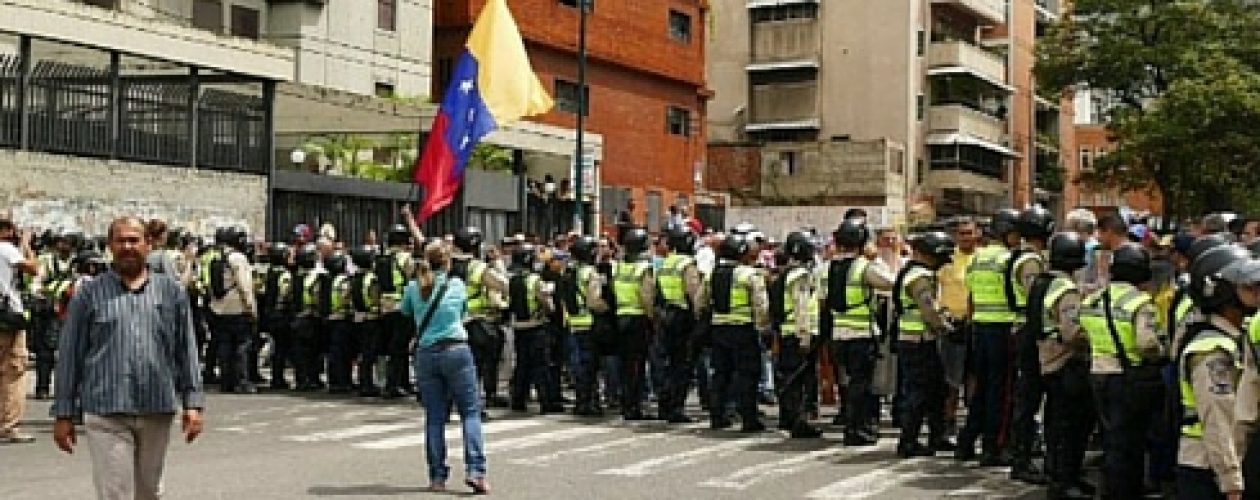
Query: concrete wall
[(729, 53), (49, 191), (857, 173), (778, 221)]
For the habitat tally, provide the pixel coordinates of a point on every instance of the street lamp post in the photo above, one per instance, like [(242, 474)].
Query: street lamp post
[(579, 158)]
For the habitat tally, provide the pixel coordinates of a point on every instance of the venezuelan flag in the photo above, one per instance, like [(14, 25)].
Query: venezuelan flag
[(493, 85)]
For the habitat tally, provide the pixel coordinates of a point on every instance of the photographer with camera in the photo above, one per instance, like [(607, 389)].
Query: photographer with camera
[(15, 256)]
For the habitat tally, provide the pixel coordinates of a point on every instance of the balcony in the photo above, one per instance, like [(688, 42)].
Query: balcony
[(992, 11), (1048, 10), (789, 40), (965, 180), (958, 118), (947, 58), (785, 103)]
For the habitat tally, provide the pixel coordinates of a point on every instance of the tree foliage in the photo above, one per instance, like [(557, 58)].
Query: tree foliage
[(1183, 78)]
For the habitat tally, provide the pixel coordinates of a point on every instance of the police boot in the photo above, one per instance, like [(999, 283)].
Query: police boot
[(913, 449), (1028, 472), (941, 444), (805, 431)]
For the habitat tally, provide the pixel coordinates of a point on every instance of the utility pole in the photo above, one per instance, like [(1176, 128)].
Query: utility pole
[(579, 155)]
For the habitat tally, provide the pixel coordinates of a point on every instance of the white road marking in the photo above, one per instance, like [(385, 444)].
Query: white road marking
[(753, 474), (678, 460), (884, 476), (417, 439), (354, 432), (533, 440), (594, 450)]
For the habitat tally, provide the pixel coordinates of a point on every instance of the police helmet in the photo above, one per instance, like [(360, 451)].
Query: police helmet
[(468, 240), (73, 238), (363, 256), (524, 256), (584, 249), (635, 241), (734, 247), (1036, 222), (798, 246), (1208, 289), (1067, 252), (1131, 264), (307, 257), (852, 233), (1218, 222), (398, 235), (222, 235), (1005, 221), (937, 244), (278, 254), (683, 241), (1203, 244), (89, 262), (335, 263)]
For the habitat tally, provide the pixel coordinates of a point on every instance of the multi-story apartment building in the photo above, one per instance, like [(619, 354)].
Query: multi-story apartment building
[(646, 88), (1093, 142), (943, 87)]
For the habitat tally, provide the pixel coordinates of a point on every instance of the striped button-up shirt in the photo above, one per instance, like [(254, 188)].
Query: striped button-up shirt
[(128, 352)]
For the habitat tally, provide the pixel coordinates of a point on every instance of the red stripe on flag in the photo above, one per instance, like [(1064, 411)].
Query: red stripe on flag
[(436, 170)]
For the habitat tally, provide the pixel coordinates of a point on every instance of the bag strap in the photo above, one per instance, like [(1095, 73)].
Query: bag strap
[(433, 306), (1115, 335), (1008, 281)]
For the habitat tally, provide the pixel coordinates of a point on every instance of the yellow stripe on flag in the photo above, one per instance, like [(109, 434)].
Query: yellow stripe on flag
[(507, 83)]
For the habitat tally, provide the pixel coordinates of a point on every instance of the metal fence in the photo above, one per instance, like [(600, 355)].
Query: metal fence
[(352, 217), (10, 118)]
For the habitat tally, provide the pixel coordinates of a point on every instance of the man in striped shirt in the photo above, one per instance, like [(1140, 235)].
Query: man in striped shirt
[(128, 365)]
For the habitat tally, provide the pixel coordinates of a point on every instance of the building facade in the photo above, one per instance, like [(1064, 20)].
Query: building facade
[(646, 92), (1093, 142), (944, 86)]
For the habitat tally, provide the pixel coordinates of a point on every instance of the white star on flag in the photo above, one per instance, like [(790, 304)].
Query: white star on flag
[(472, 113), (466, 86), (463, 143)]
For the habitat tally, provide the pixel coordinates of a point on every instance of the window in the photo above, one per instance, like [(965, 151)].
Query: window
[(569, 100), (208, 15), (897, 165), (679, 26), (384, 90), (785, 12), (678, 121), (788, 164), (386, 14), (590, 4), (1086, 160), (445, 68), (245, 22), (921, 43), (920, 105)]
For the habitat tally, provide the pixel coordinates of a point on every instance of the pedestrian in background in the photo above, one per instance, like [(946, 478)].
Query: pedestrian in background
[(128, 364), (15, 255), (444, 367)]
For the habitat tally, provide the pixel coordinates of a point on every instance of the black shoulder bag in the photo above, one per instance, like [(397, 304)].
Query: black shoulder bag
[(434, 302)]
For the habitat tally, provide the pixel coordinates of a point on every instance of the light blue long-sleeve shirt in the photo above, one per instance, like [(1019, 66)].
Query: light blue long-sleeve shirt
[(448, 320)]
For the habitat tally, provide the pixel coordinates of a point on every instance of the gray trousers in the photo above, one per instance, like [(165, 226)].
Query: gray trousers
[(128, 454)]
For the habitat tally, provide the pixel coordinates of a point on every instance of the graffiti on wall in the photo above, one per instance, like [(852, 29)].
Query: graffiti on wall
[(92, 217)]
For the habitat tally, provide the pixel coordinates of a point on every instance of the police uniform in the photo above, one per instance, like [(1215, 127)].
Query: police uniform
[(307, 325), (797, 363), (276, 312), (1029, 385), (993, 315), (530, 302), (850, 327), (738, 297), (393, 271), (1247, 410), (1064, 358), (206, 322), (54, 279), (341, 341), (634, 287), (233, 325), (1209, 459), (680, 283), (487, 287), (365, 296), (588, 313), (920, 322), (1128, 386)]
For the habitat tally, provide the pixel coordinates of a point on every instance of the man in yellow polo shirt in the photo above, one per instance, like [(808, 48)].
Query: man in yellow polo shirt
[(954, 295)]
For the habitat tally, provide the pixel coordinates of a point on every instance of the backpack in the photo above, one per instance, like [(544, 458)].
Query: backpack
[(518, 297), (384, 269), (323, 294), (218, 276), (778, 309), (838, 285)]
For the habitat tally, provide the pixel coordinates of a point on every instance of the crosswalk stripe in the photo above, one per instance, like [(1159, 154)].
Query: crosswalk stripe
[(354, 432), (594, 450), (533, 440), (753, 474), (417, 439), (677, 460), (883, 476), (992, 487)]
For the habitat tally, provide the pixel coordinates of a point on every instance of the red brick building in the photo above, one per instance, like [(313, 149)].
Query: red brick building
[(645, 83), (1095, 142)]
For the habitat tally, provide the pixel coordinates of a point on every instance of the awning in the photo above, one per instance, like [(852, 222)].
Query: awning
[(962, 70), (784, 65), (812, 123), (957, 139)]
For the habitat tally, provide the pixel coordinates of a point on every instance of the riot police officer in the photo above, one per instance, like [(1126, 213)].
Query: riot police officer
[(1035, 225), (587, 312), (276, 311), (1053, 308), (235, 311), (56, 274), (393, 270), (339, 316), (1208, 367), (920, 323), (680, 285), (365, 295), (738, 298), (307, 323), (846, 287), (634, 289), (486, 289), (529, 303), (794, 315), (1126, 362)]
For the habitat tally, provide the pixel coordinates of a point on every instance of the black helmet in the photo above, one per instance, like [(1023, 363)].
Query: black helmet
[(1131, 264), (734, 247), (1219, 222), (852, 233), (307, 256), (1203, 244), (937, 244), (524, 256), (1067, 252), (238, 239), (222, 235), (278, 254), (89, 262), (1005, 221), (798, 246), (335, 263), (682, 241), (363, 256), (398, 235), (635, 241), (468, 240), (73, 238), (584, 249), (1208, 289), (1036, 222)]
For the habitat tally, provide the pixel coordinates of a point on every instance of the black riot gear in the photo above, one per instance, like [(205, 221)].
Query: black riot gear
[(363, 257), (278, 254), (683, 241), (936, 244), (852, 233), (734, 247), (398, 235), (584, 249), (524, 257), (1207, 288), (335, 264), (1067, 252), (635, 241), (468, 240), (307, 257), (1131, 264), (1036, 222), (1005, 221), (798, 246)]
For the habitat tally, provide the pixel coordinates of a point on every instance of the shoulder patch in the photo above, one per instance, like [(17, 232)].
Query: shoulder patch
[(1221, 371)]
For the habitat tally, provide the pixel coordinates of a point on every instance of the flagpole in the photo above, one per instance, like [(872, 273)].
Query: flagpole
[(579, 158)]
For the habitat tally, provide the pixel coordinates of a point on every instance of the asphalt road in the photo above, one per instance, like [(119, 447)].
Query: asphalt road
[(281, 446)]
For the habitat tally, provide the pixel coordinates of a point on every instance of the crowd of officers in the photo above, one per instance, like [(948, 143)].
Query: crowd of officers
[(1172, 395)]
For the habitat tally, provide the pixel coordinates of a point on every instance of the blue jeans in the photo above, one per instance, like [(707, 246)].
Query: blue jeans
[(447, 373)]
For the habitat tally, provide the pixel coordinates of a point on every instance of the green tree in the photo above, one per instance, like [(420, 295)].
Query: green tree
[(488, 156)]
